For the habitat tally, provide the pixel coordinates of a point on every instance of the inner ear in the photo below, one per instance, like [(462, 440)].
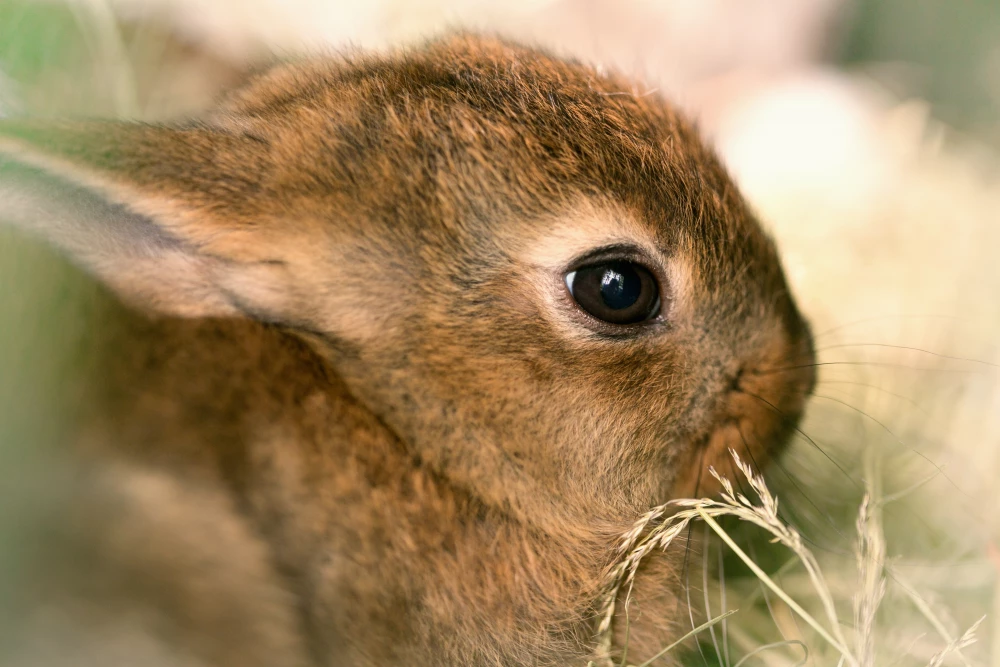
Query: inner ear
[(80, 221), (100, 201)]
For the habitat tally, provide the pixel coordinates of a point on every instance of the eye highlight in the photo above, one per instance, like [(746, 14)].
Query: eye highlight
[(615, 291)]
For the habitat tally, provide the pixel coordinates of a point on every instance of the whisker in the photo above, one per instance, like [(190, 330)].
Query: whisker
[(877, 318), (750, 543), (939, 469), (798, 430), (815, 545), (785, 508), (793, 520), (882, 364), (875, 387), (918, 518), (937, 466), (911, 349), (809, 356)]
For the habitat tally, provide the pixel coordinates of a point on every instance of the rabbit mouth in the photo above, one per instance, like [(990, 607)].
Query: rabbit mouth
[(757, 415), (757, 435)]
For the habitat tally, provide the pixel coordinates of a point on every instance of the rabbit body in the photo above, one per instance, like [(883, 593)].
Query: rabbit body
[(358, 419)]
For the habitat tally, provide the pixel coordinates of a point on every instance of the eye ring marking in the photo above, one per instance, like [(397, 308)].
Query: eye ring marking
[(615, 291)]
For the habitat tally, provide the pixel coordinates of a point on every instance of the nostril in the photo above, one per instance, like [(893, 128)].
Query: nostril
[(736, 382)]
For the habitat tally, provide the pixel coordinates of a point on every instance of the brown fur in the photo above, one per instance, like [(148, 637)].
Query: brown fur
[(379, 380)]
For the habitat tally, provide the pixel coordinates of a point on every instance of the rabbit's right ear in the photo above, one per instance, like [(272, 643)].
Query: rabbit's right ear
[(164, 215)]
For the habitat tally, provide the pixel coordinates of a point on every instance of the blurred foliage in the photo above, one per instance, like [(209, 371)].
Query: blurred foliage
[(33, 36), (61, 59), (943, 51), (45, 304)]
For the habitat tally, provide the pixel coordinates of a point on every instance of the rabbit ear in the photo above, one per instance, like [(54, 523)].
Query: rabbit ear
[(162, 215)]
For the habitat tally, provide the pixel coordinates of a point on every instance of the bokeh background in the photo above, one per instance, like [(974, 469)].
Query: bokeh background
[(865, 132)]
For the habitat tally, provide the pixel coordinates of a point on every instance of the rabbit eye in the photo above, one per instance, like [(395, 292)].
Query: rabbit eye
[(617, 292)]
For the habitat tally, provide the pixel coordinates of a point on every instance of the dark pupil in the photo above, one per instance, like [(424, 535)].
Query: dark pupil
[(617, 292), (620, 286)]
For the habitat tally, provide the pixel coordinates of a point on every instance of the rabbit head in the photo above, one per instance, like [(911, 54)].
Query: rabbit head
[(534, 275)]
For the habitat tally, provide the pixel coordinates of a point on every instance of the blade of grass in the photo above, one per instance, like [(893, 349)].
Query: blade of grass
[(924, 608), (768, 647), (806, 616), (704, 626), (100, 27)]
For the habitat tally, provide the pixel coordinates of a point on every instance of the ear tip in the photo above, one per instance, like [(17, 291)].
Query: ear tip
[(90, 150), (19, 142), (19, 135), (55, 134)]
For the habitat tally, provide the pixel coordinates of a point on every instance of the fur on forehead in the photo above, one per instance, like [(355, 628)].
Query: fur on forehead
[(472, 123)]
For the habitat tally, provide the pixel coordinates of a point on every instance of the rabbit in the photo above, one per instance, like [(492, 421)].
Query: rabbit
[(405, 342)]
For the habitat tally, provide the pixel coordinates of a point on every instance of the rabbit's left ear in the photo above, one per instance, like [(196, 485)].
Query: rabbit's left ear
[(165, 216)]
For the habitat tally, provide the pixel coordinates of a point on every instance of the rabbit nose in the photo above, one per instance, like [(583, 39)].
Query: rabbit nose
[(792, 368), (785, 367)]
